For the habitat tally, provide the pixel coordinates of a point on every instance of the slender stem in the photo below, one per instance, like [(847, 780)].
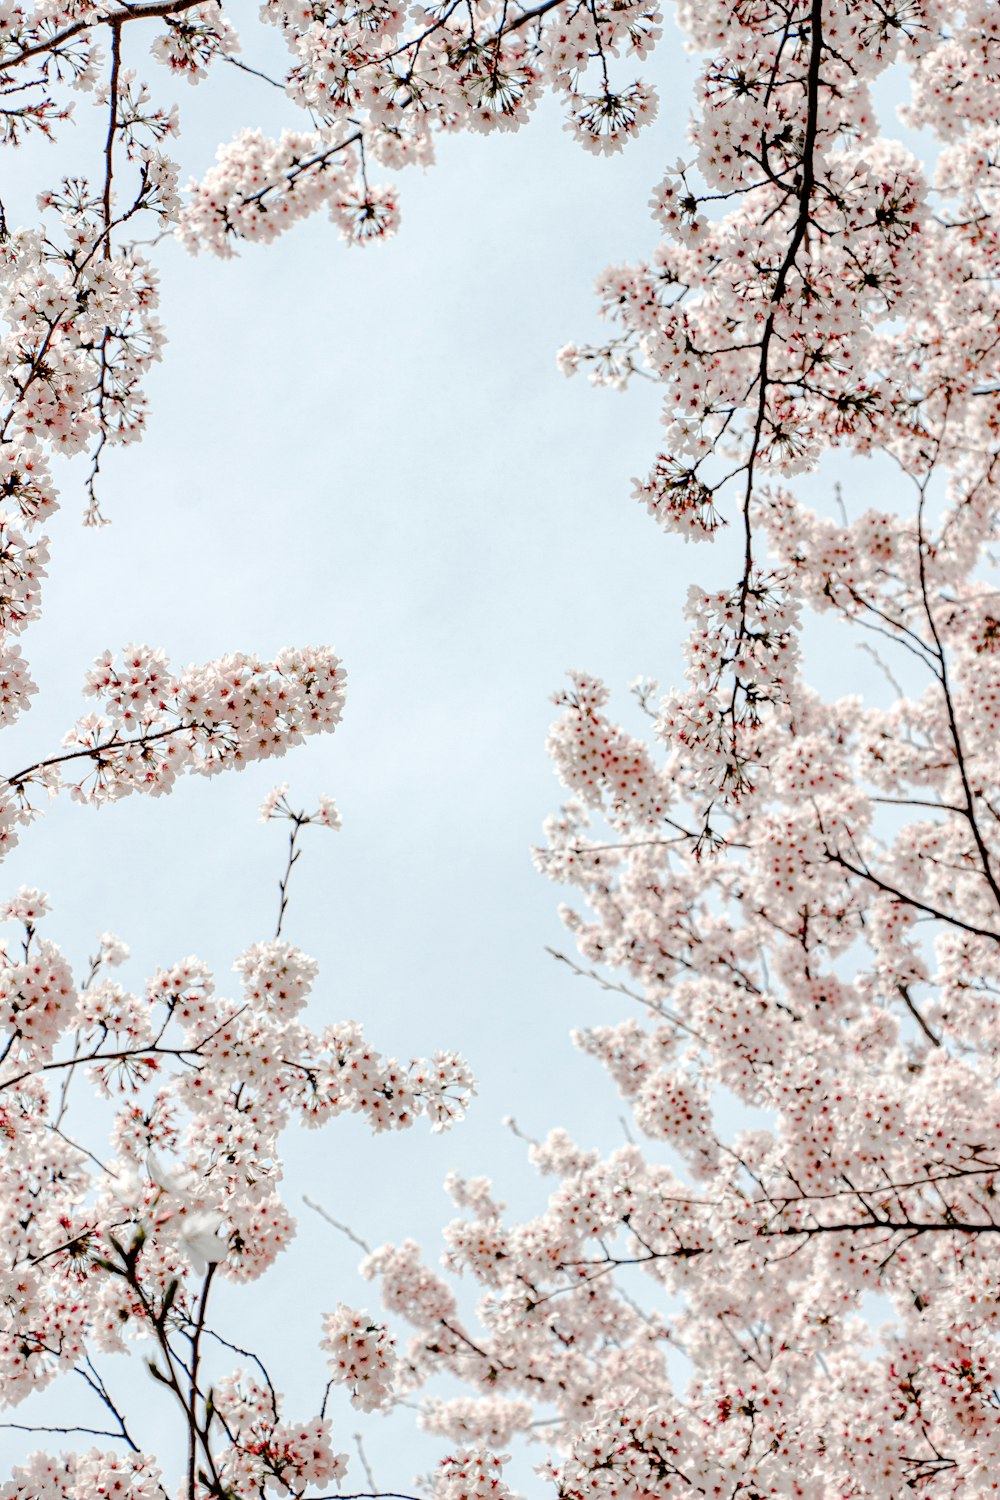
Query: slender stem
[(193, 1386), (109, 145), (293, 855)]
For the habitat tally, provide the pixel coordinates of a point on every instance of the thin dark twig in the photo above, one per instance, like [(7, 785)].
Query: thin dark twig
[(359, 1444), (293, 856), (109, 145), (345, 1229)]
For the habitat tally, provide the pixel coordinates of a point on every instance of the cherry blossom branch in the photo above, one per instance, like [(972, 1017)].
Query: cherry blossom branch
[(157, 10), (910, 900), (969, 810), (63, 1431), (193, 1390), (610, 985), (116, 39), (139, 1054), (293, 855), (805, 188), (95, 1382), (344, 1229), (94, 752)]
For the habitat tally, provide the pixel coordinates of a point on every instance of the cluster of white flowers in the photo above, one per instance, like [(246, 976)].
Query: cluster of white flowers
[(362, 1356)]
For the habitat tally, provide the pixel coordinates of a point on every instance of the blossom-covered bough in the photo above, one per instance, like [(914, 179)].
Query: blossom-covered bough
[(801, 896), (115, 1239)]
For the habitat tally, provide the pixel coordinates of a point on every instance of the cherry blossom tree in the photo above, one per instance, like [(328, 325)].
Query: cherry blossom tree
[(798, 896), (141, 1160)]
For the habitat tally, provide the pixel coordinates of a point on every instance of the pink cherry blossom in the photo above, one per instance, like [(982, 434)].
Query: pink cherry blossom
[(792, 899)]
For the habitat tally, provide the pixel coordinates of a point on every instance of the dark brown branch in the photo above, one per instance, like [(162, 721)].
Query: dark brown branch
[(109, 145), (116, 19), (956, 737), (914, 901), (805, 192)]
